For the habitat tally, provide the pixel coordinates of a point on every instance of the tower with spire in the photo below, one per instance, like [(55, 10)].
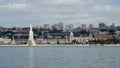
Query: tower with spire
[(71, 36)]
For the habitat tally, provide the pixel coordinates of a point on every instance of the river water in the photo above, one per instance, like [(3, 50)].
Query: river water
[(60, 57)]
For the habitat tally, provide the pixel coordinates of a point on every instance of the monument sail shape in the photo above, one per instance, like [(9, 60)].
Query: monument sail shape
[(31, 41), (13, 41)]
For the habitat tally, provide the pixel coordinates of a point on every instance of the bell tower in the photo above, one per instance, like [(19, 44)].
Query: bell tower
[(71, 36)]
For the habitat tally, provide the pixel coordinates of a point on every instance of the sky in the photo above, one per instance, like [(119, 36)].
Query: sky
[(21, 13)]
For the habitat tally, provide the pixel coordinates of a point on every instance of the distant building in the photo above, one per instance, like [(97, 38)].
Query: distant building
[(46, 26), (103, 36), (102, 25), (5, 41), (69, 27), (83, 26), (80, 39), (91, 26), (95, 31), (113, 26), (55, 26), (58, 26), (53, 41), (0, 28), (61, 26)]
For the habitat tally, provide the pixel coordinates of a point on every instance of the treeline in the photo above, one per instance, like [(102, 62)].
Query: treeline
[(108, 41), (112, 41)]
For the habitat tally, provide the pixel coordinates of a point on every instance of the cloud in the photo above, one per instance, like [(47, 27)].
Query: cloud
[(14, 6), (71, 2), (67, 11), (106, 8)]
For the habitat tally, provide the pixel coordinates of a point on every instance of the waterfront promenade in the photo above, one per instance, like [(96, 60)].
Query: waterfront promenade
[(67, 45)]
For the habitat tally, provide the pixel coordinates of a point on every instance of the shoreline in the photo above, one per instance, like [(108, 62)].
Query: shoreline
[(65, 45)]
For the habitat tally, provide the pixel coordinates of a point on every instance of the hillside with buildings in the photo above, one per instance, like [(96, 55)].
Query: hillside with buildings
[(63, 34)]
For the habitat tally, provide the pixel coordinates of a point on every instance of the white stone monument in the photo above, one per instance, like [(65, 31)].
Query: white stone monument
[(31, 41), (13, 41)]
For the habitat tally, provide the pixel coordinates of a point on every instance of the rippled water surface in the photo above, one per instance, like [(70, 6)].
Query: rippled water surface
[(60, 57)]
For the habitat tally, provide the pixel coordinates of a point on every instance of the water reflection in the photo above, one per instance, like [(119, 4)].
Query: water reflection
[(31, 58)]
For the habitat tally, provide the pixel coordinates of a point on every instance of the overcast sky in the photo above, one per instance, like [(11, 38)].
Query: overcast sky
[(38, 12)]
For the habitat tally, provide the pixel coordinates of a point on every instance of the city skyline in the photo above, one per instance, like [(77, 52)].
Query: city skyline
[(38, 12)]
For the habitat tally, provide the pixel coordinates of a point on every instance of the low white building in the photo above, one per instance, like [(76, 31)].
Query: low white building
[(5, 41), (80, 39)]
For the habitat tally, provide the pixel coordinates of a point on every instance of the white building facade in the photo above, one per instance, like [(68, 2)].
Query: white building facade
[(80, 39)]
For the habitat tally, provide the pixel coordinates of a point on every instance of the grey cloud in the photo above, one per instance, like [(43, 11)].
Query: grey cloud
[(67, 11)]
